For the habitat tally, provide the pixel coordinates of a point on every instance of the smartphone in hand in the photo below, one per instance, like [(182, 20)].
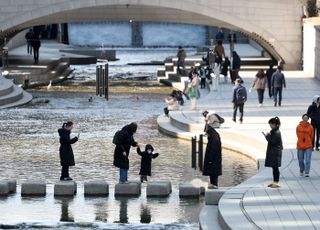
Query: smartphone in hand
[(263, 134)]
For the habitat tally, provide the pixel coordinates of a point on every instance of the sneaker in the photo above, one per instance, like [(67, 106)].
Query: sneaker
[(212, 186), (269, 185), (317, 149), (66, 179), (234, 120), (274, 185), (307, 175), (260, 105), (301, 173)]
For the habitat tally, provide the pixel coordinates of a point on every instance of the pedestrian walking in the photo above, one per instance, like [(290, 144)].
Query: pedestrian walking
[(123, 139), (238, 99), (36, 43), (236, 64), (225, 68), (65, 150), (274, 150), (146, 160), (277, 83), (219, 52), (304, 133), (29, 36), (212, 165), (314, 113), (181, 59), (203, 77), (220, 36), (194, 93), (259, 83), (269, 73)]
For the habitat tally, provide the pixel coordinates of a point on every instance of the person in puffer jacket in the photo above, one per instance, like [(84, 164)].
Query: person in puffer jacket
[(304, 145)]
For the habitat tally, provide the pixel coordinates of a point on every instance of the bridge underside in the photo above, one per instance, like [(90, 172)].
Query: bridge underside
[(140, 13)]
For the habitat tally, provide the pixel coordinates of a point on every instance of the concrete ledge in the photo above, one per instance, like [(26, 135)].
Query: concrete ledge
[(212, 196), (189, 190), (96, 188), (159, 188), (4, 188), (128, 189), (65, 188), (33, 188)]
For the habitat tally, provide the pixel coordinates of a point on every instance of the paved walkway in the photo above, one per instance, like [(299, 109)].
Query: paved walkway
[(252, 205)]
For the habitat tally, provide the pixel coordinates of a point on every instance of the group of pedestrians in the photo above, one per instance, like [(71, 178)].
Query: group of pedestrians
[(123, 140)]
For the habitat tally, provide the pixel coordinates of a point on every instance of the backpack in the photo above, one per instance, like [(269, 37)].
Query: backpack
[(241, 94), (117, 138)]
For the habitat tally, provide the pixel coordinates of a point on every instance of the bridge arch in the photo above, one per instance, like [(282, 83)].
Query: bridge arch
[(281, 41)]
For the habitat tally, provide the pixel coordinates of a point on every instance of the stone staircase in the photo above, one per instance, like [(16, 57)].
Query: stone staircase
[(11, 95), (168, 75), (28, 75)]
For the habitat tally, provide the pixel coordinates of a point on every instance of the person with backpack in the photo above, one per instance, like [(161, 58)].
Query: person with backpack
[(213, 119), (238, 99), (146, 159), (123, 139)]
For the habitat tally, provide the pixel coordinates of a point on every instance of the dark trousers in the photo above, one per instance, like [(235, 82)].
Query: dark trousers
[(276, 91), (36, 55), (214, 180), (64, 172), (180, 64), (29, 48), (276, 174), (235, 108), (316, 134), (260, 95), (203, 83)]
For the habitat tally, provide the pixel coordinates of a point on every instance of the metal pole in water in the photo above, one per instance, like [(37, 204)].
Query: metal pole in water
[(97, 80), (200, 152), (106, 72), (100, 80), (193, 152)]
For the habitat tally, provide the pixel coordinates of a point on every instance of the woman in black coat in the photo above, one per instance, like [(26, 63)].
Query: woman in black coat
[(212, 160), (123, 140), (66, 152), (146, 159), (274, 150)]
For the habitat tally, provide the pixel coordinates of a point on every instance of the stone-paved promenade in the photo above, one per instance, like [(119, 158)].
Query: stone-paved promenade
[(252, 205)]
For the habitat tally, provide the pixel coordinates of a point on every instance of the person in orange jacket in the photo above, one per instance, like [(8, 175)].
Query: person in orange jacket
[(304, 145)]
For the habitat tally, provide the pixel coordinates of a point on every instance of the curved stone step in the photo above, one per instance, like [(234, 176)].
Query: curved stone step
[(6, 86)]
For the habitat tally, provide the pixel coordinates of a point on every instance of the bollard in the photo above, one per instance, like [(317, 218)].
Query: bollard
[(106, 85), (200, 152), (193, 152)]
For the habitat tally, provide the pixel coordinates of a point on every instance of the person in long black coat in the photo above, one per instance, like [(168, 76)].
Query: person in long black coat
[(274, 150), (65, 151), (146, 159), (314, 113), (212, 160), (121, 152)]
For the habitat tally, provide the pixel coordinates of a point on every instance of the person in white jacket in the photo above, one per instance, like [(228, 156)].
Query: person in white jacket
[(172, 104)]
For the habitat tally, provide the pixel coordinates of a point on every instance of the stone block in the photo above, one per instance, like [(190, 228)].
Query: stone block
[(212, 196), (4, 188), (65, 188), (12, 185), (33, 188), (159, 188), (128, 189), (96, 188), (189, 190)]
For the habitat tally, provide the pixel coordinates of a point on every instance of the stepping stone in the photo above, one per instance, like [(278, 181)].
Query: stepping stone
[(96, 188), (65, 188), (159, 188), (12, 185), (4, 188), (128, 189), (189, 190), (33, 188), (212, 196)]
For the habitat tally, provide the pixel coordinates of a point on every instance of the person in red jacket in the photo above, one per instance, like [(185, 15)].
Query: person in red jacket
[(304, 145)]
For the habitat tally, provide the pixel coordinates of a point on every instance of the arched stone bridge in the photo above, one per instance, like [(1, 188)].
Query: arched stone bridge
[(274, 24)]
